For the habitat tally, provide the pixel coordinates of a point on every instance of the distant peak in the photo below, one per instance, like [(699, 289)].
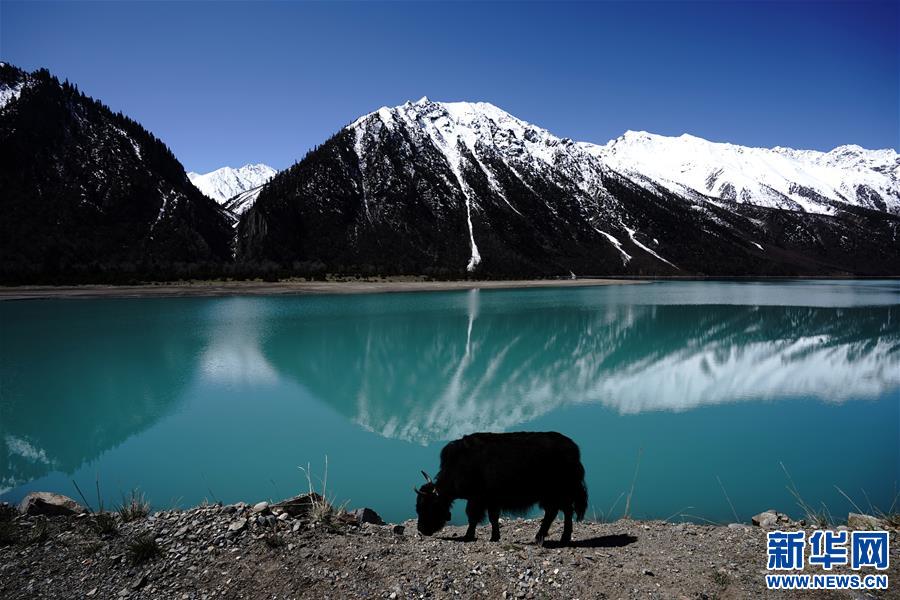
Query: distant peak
[(226, 182), (423, 100)]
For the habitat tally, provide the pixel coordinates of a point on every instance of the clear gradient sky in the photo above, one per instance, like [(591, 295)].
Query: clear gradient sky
[(227, 83)]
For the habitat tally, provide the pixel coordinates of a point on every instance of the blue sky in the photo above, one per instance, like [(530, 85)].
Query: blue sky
[(226, 83)]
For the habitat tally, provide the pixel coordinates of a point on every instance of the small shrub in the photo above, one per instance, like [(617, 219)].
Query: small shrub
[(143, 548), (40, 533), (9, 533), (7, 513), (322, 510), (92, 548), (134, 507), (274, 540), (104, 524)]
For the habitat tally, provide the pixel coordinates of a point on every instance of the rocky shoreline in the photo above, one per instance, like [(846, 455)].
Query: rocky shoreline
[(302, 548)]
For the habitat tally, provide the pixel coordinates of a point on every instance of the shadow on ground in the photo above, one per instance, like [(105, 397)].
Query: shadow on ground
[(603, 541)]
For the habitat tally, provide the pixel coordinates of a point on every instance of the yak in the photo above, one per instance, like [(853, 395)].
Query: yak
[(512, 472)]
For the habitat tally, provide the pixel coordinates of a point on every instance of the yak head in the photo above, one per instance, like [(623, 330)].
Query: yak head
[(432, 507)]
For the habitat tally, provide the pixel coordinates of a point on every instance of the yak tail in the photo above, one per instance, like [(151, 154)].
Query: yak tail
[(580, 497)]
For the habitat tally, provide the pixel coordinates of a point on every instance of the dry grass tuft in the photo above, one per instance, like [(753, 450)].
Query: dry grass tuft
[(133, 507)]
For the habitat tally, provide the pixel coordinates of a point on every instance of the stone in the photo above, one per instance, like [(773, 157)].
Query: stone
[(299, 506), (260, 507), (398, 529), (772, 518), (238, 525), (271, 520), (49, 504), (139, 582), (367, 515), (284, 516), (867, 522)]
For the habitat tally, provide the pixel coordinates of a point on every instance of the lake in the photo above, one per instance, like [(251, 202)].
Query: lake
[(703, 396)]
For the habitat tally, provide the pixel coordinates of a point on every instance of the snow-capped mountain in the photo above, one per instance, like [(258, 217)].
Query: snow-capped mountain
[(803, 180), (457, 187), (224, 184)]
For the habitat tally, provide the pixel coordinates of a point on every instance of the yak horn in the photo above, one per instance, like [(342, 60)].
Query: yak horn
[(427, 478), (418, 491)]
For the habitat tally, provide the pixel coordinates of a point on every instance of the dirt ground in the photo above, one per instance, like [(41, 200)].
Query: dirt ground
[(260, 288), (237, 552)]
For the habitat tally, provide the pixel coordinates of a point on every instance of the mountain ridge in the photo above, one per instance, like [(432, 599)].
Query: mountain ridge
[(448, 190), (458, 178)]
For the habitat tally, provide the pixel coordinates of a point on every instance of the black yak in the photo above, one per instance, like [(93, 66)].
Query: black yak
[(505, 472)]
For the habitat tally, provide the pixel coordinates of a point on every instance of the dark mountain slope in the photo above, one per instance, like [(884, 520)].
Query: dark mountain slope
[(87, 193)]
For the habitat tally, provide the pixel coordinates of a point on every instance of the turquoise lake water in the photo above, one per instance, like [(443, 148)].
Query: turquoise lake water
[(714, 385)]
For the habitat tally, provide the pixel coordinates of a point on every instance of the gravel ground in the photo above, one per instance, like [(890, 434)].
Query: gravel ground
[(237, 551)]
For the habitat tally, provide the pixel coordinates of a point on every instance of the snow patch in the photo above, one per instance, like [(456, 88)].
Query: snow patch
[(615, 242), (9, 93), (631, 233)]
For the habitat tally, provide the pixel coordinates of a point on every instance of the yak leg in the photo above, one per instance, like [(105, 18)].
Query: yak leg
[(494, 516), (475, 512), (549, 516), (566, 538)]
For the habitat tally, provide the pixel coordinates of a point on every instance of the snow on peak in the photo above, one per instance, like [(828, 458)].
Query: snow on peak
[(804, 180), (455, 125), (227, 182)]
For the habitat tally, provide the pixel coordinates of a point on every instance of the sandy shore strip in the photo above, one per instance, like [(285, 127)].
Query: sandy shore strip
[(260, 288)]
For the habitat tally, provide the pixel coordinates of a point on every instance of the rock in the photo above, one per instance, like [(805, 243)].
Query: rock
[(398, 529), (271, 520), (260, 507), (238, 525), (139, 582), (771, 519), (868, 522), (50, 504), (299, 506), (367, 515), (284, 516)]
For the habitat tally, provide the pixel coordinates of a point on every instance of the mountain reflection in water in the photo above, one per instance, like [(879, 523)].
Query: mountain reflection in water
[(169, 382)]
